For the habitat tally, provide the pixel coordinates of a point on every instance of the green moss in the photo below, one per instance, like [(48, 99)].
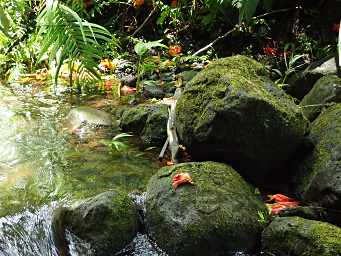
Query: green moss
[(301, 237), (325, 133), (232, 107), (218, 213), (108, 221)]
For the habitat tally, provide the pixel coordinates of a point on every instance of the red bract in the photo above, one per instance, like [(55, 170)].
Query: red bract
[(270, 51), (282, 202), (281, 198), (181, 178)]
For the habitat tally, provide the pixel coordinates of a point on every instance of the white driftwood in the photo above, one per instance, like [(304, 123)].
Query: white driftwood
[(172, 139)]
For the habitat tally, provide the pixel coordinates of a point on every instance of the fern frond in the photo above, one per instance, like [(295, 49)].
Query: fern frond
[(66, 37)]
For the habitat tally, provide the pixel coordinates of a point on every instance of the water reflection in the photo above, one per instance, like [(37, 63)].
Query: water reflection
[(43, 165)]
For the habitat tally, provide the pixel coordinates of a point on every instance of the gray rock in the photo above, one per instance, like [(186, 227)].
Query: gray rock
[(302, 82), (147, 121), (326, 90), (108, 222), (296, 236), (87, 116), (319, 177), (152, 90), (217, 215), (232, 112)]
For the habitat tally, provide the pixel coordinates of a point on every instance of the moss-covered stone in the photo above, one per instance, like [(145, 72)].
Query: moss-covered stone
[(232, 112), (108, 221), (326, 90), (296, 236), (319, 177), (218, 215), (147, 121)]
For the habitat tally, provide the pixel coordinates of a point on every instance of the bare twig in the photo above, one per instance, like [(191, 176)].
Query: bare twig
[(237, 27), (144, 22)]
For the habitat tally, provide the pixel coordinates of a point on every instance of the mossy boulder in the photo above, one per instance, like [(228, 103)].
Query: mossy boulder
[(326, 90), (232, 112), (296, 236), (319, 176), (108, 221), (217, 215), (147, 121)]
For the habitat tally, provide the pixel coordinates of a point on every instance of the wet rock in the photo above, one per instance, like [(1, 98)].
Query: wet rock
[(147, 121), (326, 90), (152, 90), (319, 177), (108, 221), (187, 75), (232, 112), (87, 116), (296, 236), (314, 213), (302, 82), (218, 215)]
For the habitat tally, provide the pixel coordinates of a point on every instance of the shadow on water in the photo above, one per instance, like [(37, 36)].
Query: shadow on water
[(43, 165)]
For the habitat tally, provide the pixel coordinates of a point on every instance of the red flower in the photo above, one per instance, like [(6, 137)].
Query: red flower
[(270, 51), (174, 50), (336, 27)]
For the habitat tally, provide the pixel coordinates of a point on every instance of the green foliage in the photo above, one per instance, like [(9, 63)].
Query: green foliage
[(117, 143), (247, 9), (68, 38), (4, 22), (144, 63)]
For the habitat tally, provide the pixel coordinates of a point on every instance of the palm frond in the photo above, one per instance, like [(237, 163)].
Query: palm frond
[(66, 37)]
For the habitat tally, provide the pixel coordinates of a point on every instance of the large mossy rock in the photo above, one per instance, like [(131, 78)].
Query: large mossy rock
[(232, 112), (296, 236), (326, 90), (108, 221), (218, 215), (147, 121), (319, 177)]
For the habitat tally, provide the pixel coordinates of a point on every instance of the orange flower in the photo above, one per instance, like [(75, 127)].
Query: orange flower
[(181, 178), (138, 3), (174, 50)]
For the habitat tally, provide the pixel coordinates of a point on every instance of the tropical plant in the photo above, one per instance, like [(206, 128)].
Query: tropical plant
[(117, 143), (142, 49), (69, 39)]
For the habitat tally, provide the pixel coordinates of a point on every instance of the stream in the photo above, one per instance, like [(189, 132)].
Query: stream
[(44, 165)]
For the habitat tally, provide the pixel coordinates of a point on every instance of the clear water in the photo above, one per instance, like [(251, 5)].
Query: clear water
[(43, 165)]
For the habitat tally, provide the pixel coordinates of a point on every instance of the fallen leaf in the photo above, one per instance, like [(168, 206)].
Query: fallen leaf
[(181, 178)]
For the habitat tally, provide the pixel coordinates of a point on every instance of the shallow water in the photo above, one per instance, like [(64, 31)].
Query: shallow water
[(44, 165)]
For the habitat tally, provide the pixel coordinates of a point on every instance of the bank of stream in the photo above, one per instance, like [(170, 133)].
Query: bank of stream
[(45, 164)]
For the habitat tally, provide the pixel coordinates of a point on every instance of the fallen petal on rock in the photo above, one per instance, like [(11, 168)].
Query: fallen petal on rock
[(181, 178)]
